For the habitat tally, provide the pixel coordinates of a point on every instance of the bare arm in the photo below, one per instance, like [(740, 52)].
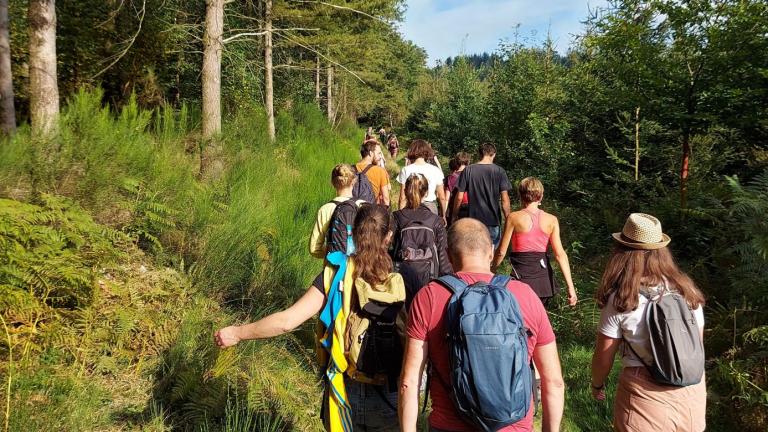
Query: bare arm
[(385, 193), (443, 202), (552, 386), (276, 324), (506, 239), (449, 215), (505, 208), (602, 362), (414, 359), (562, 259), (457, 203)]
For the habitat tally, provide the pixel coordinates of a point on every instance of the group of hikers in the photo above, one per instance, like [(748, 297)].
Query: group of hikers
[(409, 302)]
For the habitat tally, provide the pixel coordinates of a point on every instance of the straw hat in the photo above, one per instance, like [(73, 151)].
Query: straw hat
[(642, 231)]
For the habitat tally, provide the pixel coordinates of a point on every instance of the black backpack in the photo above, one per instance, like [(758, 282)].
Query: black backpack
[(339, 236), (363, 189), (676, 346), (415, 254)]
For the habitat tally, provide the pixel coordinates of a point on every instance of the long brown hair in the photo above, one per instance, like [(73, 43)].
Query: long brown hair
[(372, 261), (630, 269), (415, 190)]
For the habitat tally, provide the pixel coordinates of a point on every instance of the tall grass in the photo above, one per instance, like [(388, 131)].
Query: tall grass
[(241, 240)]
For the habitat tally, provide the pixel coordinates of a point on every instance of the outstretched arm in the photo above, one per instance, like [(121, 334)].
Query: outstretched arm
[(410, 380), (562, 259), (276, 324), (552, 386)]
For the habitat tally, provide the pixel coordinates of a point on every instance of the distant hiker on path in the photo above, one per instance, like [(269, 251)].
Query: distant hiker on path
[(377, 176), (529, 231), (361, 400), (383, 134), (486, 183), (418, 153), (369, 134), (470, 250), (393, 145), (652, 312), (457, 165), (420, 241), (343, 179)]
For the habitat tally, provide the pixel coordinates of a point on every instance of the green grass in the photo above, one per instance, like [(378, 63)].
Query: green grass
[(138, 354)]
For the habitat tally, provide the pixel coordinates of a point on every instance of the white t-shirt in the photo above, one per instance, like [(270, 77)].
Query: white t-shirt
[(433, 174), (631, 327)]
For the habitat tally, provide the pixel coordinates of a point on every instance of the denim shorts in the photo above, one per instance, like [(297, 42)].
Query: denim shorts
[(495, 235), (369, 410)]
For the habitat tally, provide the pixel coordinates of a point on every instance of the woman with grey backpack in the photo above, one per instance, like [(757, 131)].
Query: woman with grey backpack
[(652, 314)]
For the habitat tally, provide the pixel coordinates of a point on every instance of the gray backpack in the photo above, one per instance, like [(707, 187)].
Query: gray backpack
[(363, 189), (676, 346)]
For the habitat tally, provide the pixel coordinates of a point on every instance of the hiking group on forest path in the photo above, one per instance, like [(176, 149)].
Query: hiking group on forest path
[(409, 301)]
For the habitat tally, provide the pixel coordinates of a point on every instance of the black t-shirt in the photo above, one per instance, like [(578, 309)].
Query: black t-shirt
[(484, 183)]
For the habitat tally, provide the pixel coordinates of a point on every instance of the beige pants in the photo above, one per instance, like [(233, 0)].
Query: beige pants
[(641, 405)]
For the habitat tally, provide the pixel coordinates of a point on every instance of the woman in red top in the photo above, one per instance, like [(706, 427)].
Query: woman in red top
[(531, 230)]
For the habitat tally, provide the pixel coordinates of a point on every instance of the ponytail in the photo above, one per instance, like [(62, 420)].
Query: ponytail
[(415, 190)]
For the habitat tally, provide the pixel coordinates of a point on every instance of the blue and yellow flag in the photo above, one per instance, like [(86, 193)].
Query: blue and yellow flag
[(333, 317)]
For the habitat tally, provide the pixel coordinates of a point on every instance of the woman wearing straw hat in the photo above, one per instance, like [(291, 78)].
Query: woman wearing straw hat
[(641, 270)]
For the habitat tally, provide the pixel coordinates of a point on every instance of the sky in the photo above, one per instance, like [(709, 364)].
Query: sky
[(446, 28)]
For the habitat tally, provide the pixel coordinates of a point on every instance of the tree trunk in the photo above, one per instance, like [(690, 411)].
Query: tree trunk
[(317, 81), (329, 93), (7, 110), (268, 84), (43, 87), (211, 73), (637, 144)]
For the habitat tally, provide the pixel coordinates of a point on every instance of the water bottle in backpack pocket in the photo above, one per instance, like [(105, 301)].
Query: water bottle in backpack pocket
[(490, 377)]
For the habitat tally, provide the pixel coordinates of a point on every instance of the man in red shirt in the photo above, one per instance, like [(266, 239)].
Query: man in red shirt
[(470, 251)]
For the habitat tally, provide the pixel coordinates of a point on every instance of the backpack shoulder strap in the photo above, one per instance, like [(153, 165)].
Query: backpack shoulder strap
[(367, 168), (500, 280), (453, 283)]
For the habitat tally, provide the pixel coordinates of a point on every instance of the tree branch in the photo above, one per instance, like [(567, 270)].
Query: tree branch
[(342, 8), (130, 42), (323, 56)]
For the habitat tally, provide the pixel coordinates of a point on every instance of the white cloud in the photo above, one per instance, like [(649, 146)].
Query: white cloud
[(450, 27)]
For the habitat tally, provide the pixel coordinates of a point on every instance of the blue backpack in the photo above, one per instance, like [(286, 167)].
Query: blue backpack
[(490, 378)]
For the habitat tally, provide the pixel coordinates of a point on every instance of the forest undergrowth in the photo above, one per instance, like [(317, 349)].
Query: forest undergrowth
[(117, 262)]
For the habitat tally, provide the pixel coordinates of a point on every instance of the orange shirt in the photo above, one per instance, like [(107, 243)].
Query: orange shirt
[(378, 176)]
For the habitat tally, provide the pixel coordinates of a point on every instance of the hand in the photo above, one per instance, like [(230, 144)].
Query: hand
[(445, 221), (227, 337), (572, 297), (598, 394)]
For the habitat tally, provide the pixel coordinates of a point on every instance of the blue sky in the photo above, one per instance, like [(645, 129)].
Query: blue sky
[(450, 27)]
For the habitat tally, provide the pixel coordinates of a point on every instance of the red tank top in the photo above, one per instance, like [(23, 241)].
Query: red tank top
[(535, 240)]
